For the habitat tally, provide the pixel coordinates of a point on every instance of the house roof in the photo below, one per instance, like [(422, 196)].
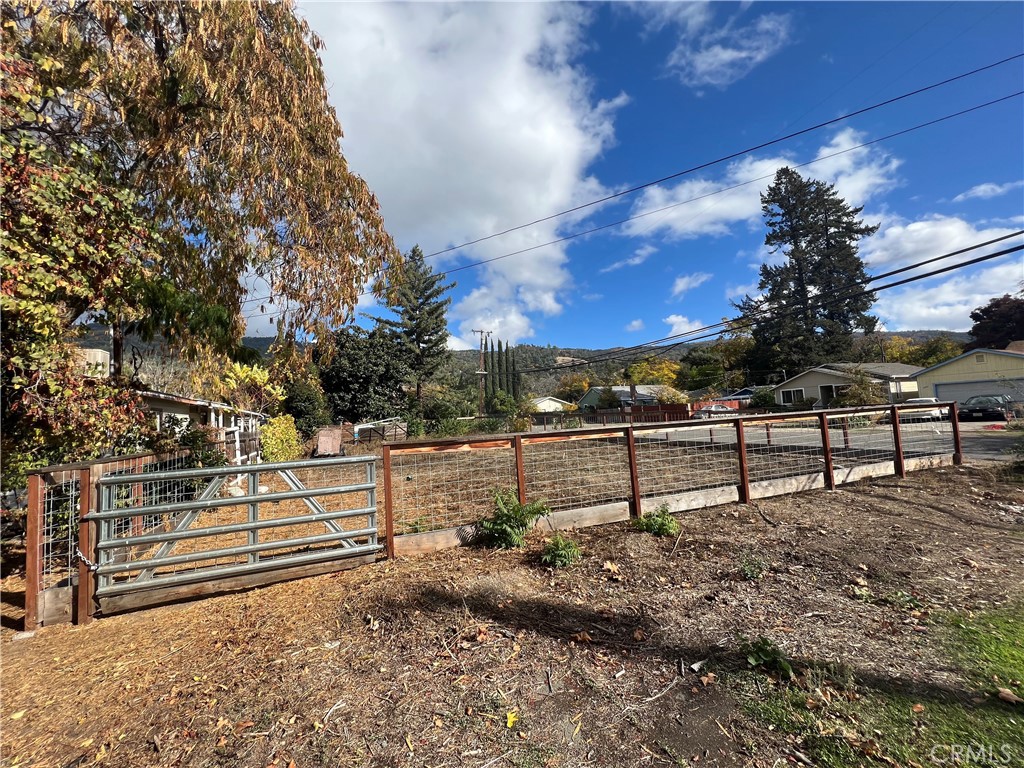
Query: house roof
[(881, 370), (645, 390), (1006, 352), (875, 371), (211, 404), (542, 398)]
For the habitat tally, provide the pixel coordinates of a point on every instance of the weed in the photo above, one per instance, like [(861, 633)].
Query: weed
[(660, 523), (764, 653), (751, 566), (561, 552), (508, 526)]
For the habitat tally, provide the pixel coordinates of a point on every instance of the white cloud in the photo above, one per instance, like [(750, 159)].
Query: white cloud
[(639, 257), (947, 305), (901, 242), (685, 283), (739, 291), (635, 325), (987, 190), (455, 343), (700, 206), (678, 324), (465, 119), (712, 52)]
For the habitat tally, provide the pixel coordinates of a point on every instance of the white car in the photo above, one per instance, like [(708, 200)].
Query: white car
[(716, 411), (932, 414)]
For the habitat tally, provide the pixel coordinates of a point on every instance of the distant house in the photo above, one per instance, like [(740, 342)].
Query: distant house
[(640, 394), (743, 396), (549, 404), (825, 382), (978, 372), (210, 412)]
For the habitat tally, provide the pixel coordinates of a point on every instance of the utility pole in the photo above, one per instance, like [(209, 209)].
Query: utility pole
[(482, 372)]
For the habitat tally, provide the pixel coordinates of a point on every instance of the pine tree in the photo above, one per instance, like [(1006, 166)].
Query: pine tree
[(798, 321), (421, 326), (508, 370), (492, 376)]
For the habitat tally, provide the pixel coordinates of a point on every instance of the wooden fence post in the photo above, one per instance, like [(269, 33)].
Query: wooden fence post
[(846, 433), (33, 550), (86, 549), (954, 422), (826, 447), (741, 454), (897, 442), (634, 474), (517, 446), (389, 518)]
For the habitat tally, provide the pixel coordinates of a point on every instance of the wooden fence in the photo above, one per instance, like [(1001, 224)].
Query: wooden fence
[(436, 490)]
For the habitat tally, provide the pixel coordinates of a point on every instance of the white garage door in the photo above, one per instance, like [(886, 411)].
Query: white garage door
[(961, 390)]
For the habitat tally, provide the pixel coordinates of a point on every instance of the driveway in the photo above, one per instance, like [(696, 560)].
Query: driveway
[(980, 442)]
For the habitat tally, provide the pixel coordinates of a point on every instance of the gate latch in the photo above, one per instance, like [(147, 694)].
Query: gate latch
[(88, 563)]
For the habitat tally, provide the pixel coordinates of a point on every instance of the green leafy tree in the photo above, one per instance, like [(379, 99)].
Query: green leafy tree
[(801, 318), (572, 386), (305, 401), (998, 323), (419, 301), (362, 375), (932, 352), (607, 398)]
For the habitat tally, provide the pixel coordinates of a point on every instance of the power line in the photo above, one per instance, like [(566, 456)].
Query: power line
[(634, 217), (745, 321), (731, 156)]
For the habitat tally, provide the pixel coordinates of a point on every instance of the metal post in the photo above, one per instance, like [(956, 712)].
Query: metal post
[(826, 448), (33, 550), (254, 514), (768, 433), (517, 446), (897, 442), (741, 454), (86, 545), (634, 473), (954, 422), (389, 517)]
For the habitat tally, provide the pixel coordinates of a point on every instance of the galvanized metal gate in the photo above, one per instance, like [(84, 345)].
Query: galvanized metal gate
[(162, 536)]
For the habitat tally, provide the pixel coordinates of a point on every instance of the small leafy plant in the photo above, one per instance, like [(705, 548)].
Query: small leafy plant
[(751, 566), (561, 552), (508, 526), (764, 653), (659, 523)]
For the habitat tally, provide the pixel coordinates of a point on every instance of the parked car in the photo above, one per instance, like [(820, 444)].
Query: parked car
[(716, 411), (931, 414), (987, 407)]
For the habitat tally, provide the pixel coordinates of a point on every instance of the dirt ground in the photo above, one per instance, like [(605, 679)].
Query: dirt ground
[(473, 657)]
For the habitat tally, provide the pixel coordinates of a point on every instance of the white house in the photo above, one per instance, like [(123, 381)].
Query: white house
[(823, 383), (549, 404)]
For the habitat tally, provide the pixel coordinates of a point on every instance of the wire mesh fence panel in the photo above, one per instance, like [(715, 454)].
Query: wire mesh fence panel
[(59, 538), (448, 488), (786, 447), (575, 474), (686, 458), (211, 519), (861, 438), (925, 435)]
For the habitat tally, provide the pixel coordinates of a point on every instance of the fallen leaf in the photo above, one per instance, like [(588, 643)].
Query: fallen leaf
[(582, 637), (638, 635), (1007, 695), (610, 567), (244, 724), (222, 740), (917, 709), (511, 718), (408, 743), (860, 581), (19, 715), (812, 703), (708, 679)]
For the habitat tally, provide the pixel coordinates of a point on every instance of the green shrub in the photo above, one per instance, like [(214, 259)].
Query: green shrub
[(280, 439), (508, 526), (764, 653), (306, 402), (660, 523), (751, 566), (490, 426), (447, 427), (561, 552)]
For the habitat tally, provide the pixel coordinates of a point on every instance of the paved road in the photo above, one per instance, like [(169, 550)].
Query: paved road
[(981, 443)]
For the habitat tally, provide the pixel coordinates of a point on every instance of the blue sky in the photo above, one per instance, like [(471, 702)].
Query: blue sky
[(469, 118)]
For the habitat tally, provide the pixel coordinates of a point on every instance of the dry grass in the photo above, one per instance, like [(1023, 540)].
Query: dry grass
[(427, 660)]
